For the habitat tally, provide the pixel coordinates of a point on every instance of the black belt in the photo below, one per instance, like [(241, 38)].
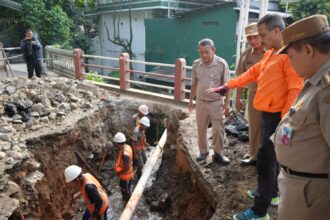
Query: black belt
[(303, 174), (210, 100)]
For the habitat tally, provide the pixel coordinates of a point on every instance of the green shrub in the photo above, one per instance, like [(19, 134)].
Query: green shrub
[(93, 76)]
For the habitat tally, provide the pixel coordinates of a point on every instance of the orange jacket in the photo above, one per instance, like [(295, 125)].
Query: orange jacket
[(125, 173), (278, 83), (89, 179)]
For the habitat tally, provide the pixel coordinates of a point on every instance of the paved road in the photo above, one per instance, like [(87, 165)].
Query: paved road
[(20, 70)]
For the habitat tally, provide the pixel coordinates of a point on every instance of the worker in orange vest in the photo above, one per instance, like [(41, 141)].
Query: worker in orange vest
[(124, 165), (143, 111), (92, 192), (138, 144)]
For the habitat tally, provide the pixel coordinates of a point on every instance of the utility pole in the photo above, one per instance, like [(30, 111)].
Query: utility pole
[(242, 22), (263, 8)]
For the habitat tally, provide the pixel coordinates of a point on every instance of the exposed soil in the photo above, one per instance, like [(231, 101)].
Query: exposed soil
[(234, 181), (184, 199)]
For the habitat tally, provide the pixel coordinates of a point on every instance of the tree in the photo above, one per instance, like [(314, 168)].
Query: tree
[(53, 25), (125, 43), (305, 8)]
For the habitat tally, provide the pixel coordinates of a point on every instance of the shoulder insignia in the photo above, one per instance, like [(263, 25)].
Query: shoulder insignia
[(325, 81), (327, 100)]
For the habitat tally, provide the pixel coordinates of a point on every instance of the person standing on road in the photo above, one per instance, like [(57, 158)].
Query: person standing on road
[(124, 166), (32, 53), (302, 139), (278, 87), (248, 58), (209, 71)]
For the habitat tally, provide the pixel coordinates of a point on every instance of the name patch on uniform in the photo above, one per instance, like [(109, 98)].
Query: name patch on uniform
[(327, 100), (325, 80)]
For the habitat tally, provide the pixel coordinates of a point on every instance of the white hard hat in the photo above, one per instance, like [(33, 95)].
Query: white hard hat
[(143, 109), (71, 173), (119, 138), (145, 121)]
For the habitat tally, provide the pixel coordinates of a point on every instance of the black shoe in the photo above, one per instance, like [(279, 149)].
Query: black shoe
[(201, 157), (221, 159), (248, 162)]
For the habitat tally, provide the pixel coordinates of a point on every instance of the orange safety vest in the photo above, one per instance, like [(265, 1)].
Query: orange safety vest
[(89, 179), (120, 165), (140, 145)]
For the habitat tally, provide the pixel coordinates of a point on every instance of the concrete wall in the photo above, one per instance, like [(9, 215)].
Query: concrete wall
[(104, 47)]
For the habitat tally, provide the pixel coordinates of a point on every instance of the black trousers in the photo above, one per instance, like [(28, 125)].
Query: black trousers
[(33, 65), (125, 188), (267, 165)]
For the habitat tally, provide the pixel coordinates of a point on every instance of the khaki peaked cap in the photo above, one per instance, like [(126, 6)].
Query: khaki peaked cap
[(304, 28), (251, 30)]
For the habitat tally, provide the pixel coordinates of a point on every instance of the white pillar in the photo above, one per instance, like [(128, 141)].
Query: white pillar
[(263, 8), (242, 22)]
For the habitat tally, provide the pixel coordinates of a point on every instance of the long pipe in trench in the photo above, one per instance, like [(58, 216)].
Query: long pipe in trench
[(138, 191)]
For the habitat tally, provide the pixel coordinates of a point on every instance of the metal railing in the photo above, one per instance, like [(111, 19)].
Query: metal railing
[(174, 83), (73, 64), (13, 55), (60, 61)]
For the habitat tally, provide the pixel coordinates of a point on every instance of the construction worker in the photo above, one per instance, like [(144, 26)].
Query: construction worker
[(139, 142), (278, 87), (143, 111), (209, 71), (302, 139), (92, 192), (124, 165), (247, 59)]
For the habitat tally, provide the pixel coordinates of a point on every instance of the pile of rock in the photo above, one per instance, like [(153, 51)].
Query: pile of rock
[(49, 102)]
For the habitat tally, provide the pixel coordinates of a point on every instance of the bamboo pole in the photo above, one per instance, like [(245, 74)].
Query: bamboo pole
[(138, 191)]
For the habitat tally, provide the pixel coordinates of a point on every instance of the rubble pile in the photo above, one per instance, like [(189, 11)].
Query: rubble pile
[(28, 106)]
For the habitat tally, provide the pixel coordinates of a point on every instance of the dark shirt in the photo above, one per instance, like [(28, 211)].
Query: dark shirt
[(31, 51), (94, 197)]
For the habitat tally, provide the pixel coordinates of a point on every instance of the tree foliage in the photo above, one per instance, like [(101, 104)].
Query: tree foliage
[(61, 22), (305, 8)]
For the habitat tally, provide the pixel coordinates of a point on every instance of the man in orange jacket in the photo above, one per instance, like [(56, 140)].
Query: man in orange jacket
[(278, 87), (124, 165), (92, 191)]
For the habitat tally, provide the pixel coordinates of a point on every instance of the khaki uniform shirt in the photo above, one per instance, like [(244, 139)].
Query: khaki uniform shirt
[(308, 149), (248, 58), (209, 76)]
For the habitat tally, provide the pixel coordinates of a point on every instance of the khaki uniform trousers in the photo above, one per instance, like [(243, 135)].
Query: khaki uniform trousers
[(303, 198), (255, 123), (210, 112)]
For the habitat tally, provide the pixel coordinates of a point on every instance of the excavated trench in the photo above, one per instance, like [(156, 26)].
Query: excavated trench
[(70, 117), (51, 198), (34, 187)]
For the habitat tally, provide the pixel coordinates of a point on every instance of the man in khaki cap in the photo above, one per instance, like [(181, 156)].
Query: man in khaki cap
[(302, 139), (248, 58)]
